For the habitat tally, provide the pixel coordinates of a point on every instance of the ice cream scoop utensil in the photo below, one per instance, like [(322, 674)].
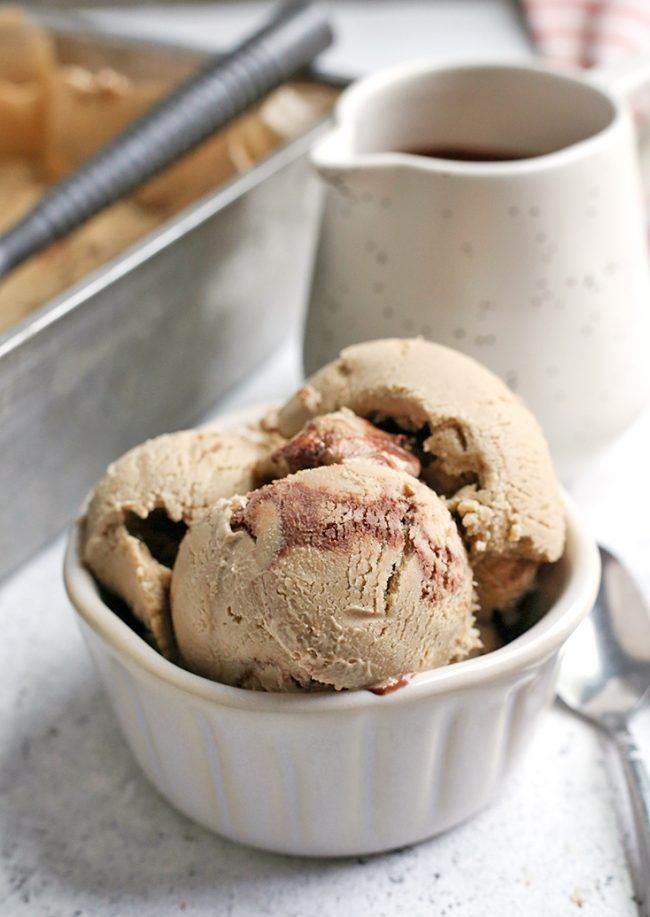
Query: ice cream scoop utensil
[(605, 677), (289, 41)]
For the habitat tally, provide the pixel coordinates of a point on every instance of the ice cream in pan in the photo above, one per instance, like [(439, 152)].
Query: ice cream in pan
[(55, 115), (369, 528)]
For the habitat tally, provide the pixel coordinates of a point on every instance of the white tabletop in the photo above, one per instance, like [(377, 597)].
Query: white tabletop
[(83, 833)]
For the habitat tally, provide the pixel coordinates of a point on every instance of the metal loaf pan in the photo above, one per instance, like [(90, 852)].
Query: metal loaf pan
[(146, 343)]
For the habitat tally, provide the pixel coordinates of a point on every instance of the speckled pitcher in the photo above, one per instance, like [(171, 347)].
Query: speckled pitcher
[(537, 266)]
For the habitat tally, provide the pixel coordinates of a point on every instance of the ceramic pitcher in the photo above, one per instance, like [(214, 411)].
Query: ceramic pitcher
[(536, 263)]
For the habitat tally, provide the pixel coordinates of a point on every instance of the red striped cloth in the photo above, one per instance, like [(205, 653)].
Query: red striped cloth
[(587, 33), (594, 33)]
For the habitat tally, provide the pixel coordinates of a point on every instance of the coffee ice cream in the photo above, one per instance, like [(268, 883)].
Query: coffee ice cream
[(26, 65), (334, 439), (366, 530), (142, 506), (480, 448), (342, 576)]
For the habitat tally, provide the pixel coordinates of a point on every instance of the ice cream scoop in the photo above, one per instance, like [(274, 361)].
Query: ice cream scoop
[(141, 508), (343, 576), (479, 445), (337, 438)]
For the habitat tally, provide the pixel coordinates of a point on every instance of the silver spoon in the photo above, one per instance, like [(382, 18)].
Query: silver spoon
[(605, 677)]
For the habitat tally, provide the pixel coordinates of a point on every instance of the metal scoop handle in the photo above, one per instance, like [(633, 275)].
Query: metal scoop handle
[(289, 41)]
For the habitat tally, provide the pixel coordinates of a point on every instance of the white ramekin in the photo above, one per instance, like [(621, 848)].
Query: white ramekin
[(334, 774)]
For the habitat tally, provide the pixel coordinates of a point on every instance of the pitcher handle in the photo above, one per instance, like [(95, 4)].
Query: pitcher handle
[(624, 77)]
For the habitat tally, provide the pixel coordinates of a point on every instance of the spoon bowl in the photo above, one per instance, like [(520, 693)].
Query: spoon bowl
[(605, 678), (606, 670)]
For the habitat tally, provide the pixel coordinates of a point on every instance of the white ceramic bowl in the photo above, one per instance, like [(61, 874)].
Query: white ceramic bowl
[(334, 774)]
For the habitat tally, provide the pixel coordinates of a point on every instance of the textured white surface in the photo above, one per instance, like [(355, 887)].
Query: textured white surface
[(83, 833)]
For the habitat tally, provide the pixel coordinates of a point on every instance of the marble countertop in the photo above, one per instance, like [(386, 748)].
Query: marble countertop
[(83, 833)]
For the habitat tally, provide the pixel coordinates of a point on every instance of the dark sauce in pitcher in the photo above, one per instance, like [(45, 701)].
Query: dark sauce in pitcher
[(469, 154)]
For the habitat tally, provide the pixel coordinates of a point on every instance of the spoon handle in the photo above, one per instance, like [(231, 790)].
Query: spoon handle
[(638, 784)]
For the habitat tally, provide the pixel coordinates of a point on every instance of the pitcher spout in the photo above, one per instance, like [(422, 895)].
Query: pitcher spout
[(333, 153)]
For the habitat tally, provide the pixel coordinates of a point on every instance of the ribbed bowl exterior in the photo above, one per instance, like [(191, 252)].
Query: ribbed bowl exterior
[(350, 781)]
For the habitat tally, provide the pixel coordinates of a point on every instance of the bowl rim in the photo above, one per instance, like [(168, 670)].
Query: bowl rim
[(525, 652)]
